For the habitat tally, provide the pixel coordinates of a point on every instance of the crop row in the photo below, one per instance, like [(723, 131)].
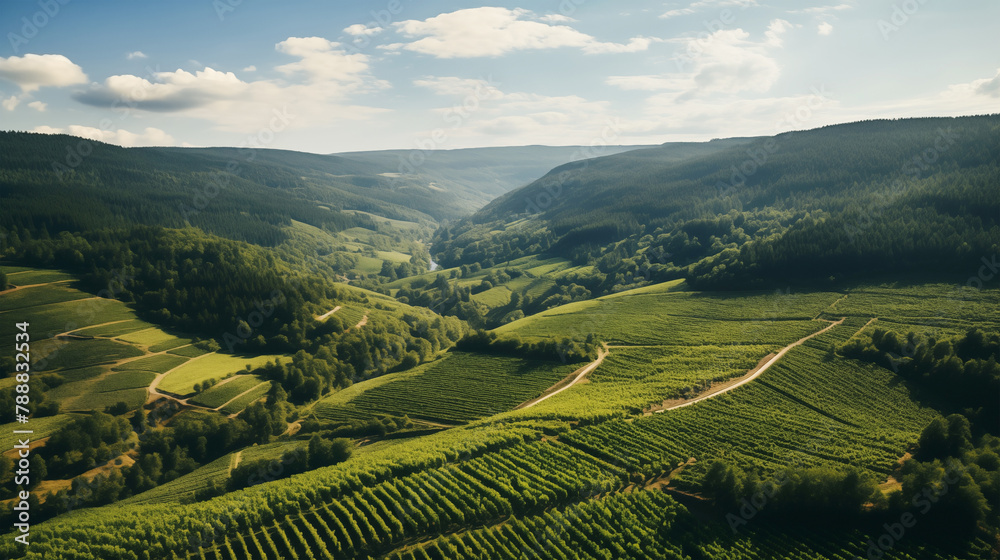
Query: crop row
[(522, 478), (806, 409)]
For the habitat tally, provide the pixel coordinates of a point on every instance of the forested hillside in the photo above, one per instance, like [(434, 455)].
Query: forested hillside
[(840, 201)]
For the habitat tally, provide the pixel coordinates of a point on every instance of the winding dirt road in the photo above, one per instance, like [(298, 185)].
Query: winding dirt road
[(754, 373), (576, 376)]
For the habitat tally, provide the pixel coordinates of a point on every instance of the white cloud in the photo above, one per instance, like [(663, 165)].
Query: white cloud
[(775, 30), (362, 30), (250, 68), (989, 87), (488, 31), (38, 106), (136, 54), (148, 137), (677, 12), (485, 115), (727, 62), (824, 28), (324, 77), (323, 61), (449, 85), (822, 10), (169, 91), (556, 18), (34, 71), (11, 102), (695, 7), (976, 90)]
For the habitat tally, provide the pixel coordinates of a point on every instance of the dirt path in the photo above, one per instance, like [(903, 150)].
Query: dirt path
[(753, 374), (154, 393), (67, 333), (324, 316), (15, 287), (575, 378), (235, 461), (362, 322), (832, 306), (221, 406), (870, 321)]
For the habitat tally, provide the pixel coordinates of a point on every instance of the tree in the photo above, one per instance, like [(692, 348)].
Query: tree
[(933, 442), (38, 469)]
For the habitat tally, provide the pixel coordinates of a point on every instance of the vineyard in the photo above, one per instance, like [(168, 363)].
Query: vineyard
[(227, 390), (577, 476), (806, 410), (459, 388)]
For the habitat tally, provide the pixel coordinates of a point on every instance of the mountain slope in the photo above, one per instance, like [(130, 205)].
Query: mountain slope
[(841, 200)]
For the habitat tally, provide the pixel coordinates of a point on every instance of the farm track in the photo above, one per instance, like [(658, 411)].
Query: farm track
[(575, 378), (324, 316), (109, 367), (154, 393), (221, 406), (753, 374), (235, 461), (26, 286)]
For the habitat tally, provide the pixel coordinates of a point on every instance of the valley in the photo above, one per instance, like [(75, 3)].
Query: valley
[(738, 376)]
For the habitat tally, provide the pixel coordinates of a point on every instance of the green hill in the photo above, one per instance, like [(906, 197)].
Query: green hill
[(839, 201)]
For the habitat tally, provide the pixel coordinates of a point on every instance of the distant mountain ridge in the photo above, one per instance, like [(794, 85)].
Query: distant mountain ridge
[(176, 187)]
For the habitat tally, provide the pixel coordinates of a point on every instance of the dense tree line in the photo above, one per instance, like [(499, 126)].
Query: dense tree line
[(320, 452), (961, 370), (953, 481), (832, 494), (564, 349)]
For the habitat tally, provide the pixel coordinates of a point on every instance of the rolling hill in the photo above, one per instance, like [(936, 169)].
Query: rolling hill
[(839, 201)]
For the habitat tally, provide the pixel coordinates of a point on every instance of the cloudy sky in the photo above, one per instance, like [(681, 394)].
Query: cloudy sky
[(324, 76)]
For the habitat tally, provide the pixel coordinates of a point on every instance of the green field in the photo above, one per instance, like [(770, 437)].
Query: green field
[(48, 320), (458, 388), (227, 391), (182, 380), (187, 351), (237, 406), (41, 295), (161, 363), (148, 337), (37, 276), (53, 355), (114, 329), (124, 380), (42, 428)]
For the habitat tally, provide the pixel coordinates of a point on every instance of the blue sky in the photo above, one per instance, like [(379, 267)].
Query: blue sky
[(336, 76)]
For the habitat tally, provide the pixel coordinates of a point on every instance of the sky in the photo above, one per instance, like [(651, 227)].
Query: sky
[(333, 76)]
